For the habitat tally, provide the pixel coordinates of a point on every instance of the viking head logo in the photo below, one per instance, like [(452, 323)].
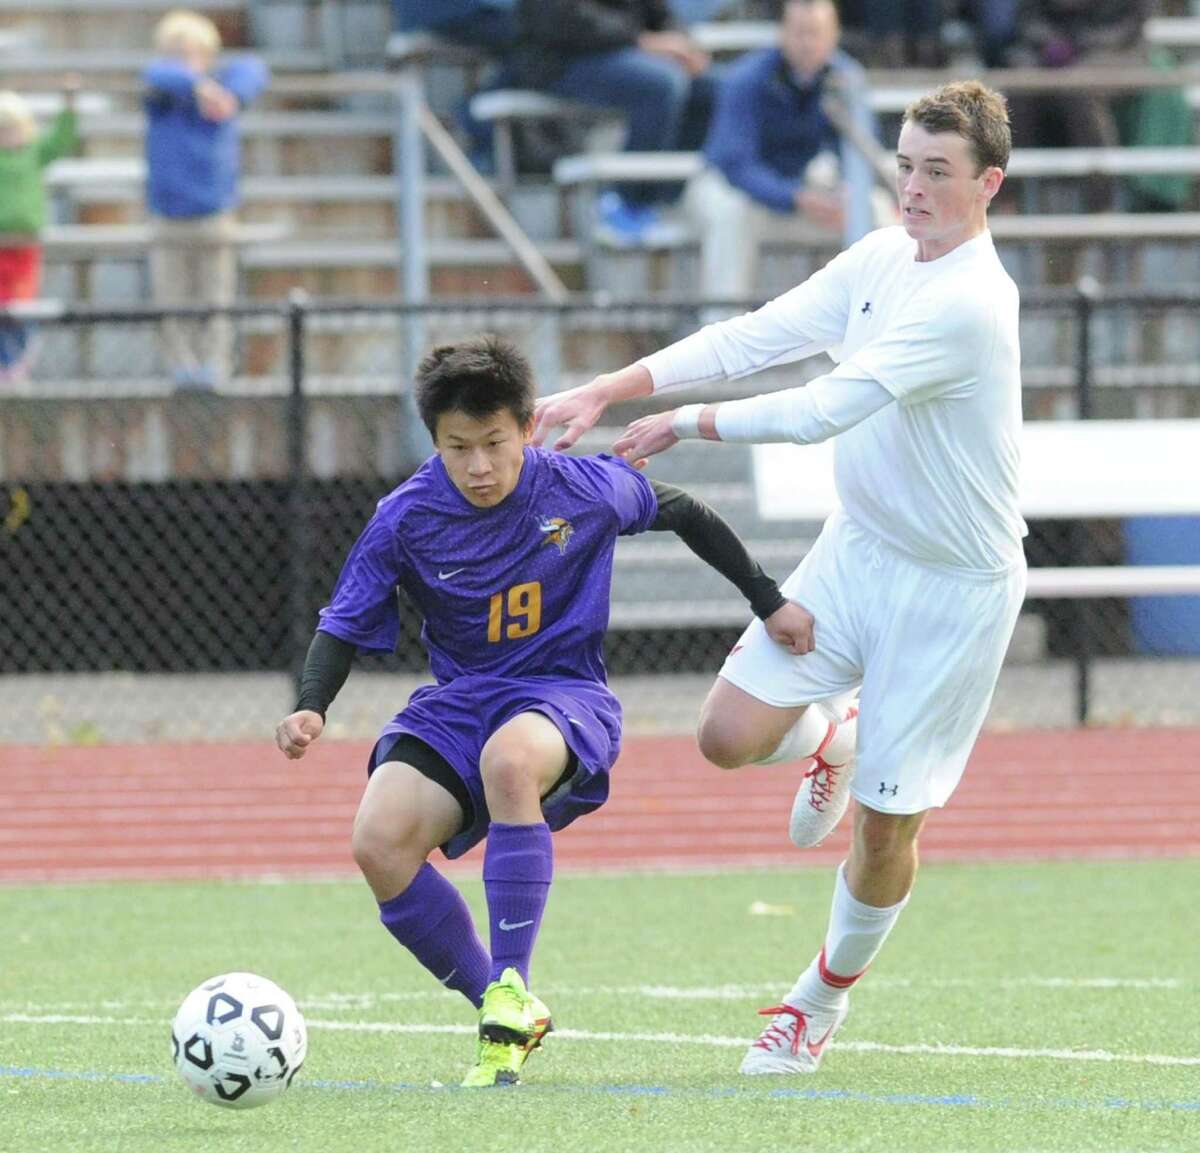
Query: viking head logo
[(557, 531)]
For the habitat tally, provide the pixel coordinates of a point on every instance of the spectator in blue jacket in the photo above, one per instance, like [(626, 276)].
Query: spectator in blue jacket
[(193, 162), (777, 166)]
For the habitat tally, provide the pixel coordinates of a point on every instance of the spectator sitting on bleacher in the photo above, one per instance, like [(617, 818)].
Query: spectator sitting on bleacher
[(778, 168), (1060, 33), (192, 168), (622, 54), (491, 27), (23, 155)]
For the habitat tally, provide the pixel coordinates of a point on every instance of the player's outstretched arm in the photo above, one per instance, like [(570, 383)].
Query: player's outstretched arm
[(712, 539), (577, 409), (824, 407), (326, 668)]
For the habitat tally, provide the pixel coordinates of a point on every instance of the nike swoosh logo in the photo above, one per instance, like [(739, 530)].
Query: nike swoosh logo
[(815, 1050), (445, 576), (509, 926), (573, 721), (447, 977)]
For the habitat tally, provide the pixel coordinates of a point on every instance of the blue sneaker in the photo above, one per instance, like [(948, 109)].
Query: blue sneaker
[(621, 224), (199, 378)]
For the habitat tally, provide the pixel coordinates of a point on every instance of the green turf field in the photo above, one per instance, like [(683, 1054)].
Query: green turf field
[(1023, 975)]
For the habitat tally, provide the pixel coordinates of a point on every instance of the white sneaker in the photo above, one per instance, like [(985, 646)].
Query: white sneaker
[(794, 1041), (824, 791)]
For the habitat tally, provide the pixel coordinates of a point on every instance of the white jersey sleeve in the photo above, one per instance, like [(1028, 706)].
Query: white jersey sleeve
[(808, 415), (804, 321)]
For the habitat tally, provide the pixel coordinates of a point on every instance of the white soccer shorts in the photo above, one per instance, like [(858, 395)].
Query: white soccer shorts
[(925, 643)]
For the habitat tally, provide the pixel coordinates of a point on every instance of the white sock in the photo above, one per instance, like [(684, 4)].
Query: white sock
[(855, 935), (802, 739)]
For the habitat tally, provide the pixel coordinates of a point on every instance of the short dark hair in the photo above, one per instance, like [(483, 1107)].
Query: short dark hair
[(478, 376), (970, 110)]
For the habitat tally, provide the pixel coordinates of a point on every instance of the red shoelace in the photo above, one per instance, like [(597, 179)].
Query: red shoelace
[(824, 781), (775, 1034)]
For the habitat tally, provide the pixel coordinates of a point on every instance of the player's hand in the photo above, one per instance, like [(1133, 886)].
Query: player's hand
[(216, 103), (646, 437), (576, 410), (294, 734), (792, 627)]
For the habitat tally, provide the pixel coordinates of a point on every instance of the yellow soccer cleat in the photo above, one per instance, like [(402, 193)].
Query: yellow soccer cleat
[(512, 1023)]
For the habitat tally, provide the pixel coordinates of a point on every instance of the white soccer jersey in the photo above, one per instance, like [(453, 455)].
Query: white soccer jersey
[(935, 473)]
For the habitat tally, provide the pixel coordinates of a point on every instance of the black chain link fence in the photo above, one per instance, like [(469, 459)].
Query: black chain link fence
[(149, 529)]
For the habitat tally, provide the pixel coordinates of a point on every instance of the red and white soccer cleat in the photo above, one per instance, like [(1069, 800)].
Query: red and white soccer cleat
[(824, 791), (794, 1041)]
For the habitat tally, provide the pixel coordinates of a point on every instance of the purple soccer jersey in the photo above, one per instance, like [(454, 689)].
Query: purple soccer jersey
[(515, 602), (519, 590)]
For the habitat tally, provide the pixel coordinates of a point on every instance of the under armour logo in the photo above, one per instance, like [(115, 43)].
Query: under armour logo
[(866, 309), (891, 790)]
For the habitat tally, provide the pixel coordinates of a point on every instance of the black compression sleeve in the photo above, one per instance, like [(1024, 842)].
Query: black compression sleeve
[(709, 536), (326, 668)]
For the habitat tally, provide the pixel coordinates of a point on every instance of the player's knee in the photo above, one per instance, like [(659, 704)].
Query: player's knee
[(720, 745), (881, 837), (384, 850), (507, 775)]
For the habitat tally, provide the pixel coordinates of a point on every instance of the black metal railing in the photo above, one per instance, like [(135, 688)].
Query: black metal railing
[(140, 518)]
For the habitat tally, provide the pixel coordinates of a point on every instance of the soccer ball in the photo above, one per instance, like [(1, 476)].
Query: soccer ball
[(238, 1041)]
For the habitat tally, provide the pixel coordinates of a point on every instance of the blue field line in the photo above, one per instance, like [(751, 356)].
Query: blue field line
[(944, 1100), (81, 1075)]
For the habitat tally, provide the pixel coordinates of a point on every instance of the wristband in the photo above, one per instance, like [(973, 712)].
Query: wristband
[(685, 424)]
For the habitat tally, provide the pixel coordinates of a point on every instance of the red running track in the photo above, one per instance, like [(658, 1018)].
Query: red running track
[(142, 811)]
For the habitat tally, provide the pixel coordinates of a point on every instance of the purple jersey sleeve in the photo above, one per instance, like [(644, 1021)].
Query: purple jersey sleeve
[(364, 610), (620, 486)]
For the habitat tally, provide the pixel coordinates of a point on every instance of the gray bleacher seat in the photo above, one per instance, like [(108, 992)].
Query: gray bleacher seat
[(503, 108)]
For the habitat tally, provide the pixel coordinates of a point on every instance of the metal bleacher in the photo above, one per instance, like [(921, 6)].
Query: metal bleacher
[(320, 212)]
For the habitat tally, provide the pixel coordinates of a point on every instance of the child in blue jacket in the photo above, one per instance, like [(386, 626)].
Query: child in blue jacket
[(193, 161)]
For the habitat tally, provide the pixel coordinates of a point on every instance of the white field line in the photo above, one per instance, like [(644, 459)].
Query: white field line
[(704, 1039), (335, 1002)]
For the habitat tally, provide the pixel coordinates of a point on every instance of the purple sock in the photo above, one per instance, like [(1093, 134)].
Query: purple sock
[(432, 921), (518, 864)]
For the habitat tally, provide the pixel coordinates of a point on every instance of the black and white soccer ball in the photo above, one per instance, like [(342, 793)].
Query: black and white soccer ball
[(238, 1041)]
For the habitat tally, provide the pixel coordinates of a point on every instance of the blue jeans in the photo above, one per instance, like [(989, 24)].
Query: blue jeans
[(666, 109), (493, 31), (996, 21), (491, 25), (916, 17)]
